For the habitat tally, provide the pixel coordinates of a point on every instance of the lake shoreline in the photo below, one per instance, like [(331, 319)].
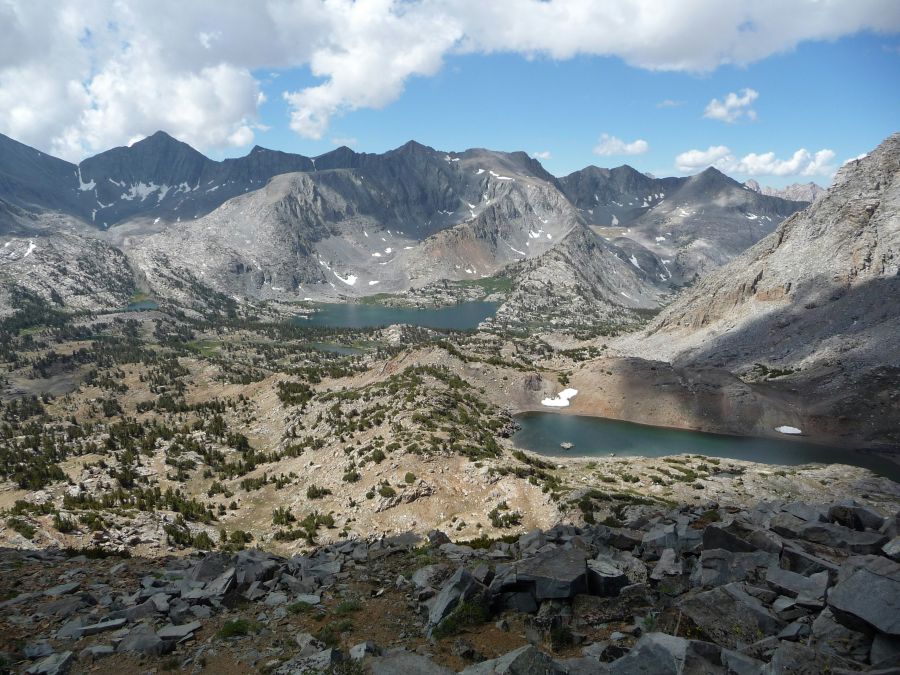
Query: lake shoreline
[(735, 447)]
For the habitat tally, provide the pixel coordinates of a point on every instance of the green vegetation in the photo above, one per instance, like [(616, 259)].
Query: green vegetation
[(237, 628), (466, 615)]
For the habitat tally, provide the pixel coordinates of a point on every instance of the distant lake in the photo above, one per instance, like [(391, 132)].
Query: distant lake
[(142, 306), (464, 316), (542, 432)]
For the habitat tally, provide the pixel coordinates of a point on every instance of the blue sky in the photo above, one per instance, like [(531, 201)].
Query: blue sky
[(842, 95), (781, 90)]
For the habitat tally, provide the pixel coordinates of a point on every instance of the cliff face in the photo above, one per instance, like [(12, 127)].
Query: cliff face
[(817, 301)]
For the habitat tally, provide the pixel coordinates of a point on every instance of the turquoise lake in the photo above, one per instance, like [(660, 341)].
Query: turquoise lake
[(542, 433), (464, 316)]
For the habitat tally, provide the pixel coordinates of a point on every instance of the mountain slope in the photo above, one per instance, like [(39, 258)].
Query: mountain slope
[(583, 285), (818, 299), (395, 221)]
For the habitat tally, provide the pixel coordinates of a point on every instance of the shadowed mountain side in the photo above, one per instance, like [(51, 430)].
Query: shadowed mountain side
[(815, 303), (705, 399), (847, 364)]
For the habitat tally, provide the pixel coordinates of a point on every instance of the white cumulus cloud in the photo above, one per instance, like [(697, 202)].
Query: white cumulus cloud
[(801, 163), (611, 146), (733, 107), (544, 154), (80, 77)]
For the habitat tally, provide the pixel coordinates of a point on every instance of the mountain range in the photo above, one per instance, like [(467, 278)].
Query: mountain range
[(802, 192), (273, 225)]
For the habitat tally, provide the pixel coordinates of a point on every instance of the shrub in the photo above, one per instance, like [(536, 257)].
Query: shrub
[(315, 492), (465, 615), (22, 526), (238, 627)]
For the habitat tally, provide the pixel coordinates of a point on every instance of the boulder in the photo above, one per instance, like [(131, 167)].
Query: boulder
[(843, 538), (428, 575), (830, 637), (556, 574), (851, 514), (143, 640), (892, 549), (525, 660), (179, 632), (717, 537), (885, 651), (405, 663), (101, 626), (663, 654), (792, 658), (869, 596), (809, 591), (658, 538), (55, 664), (362, 650), (721, 566), (458, 588), (730, 616), (605, 577), (669, 565)]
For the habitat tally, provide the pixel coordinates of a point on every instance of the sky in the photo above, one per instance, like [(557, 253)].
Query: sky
[(778, 90)]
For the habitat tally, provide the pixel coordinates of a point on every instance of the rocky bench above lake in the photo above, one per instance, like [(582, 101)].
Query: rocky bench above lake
[(780, 588)]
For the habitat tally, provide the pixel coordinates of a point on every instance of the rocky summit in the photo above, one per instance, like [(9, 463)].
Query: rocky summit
[(782, 587)]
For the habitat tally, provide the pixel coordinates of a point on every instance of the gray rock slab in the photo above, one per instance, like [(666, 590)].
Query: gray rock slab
[(521, 661), (869, 596)]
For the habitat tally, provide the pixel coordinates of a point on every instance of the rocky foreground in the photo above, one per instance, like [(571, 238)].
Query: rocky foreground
[(779, 588)]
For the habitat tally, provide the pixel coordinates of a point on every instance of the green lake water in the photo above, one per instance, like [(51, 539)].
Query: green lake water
[(542, 432), (464, 316)]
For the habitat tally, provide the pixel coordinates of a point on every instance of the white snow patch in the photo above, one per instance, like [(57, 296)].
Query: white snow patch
[(373, 283), (85, 187), (388, 250), (499, 177), (350, 280), (366, 233), (561, 400), (31, 249), (376, 255), (515, 249), (635, 262), (479, 172), (793, 431), (752, 216), (615, 221), (660, 238)]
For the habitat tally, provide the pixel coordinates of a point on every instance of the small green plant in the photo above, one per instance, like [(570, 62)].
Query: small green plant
[(22, 526), (410, 478), (238, 627), (299, 607), (347, 607), (465, 615), (316, 492)]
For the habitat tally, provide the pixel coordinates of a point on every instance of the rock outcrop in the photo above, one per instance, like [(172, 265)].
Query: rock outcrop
[(801, 604)]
